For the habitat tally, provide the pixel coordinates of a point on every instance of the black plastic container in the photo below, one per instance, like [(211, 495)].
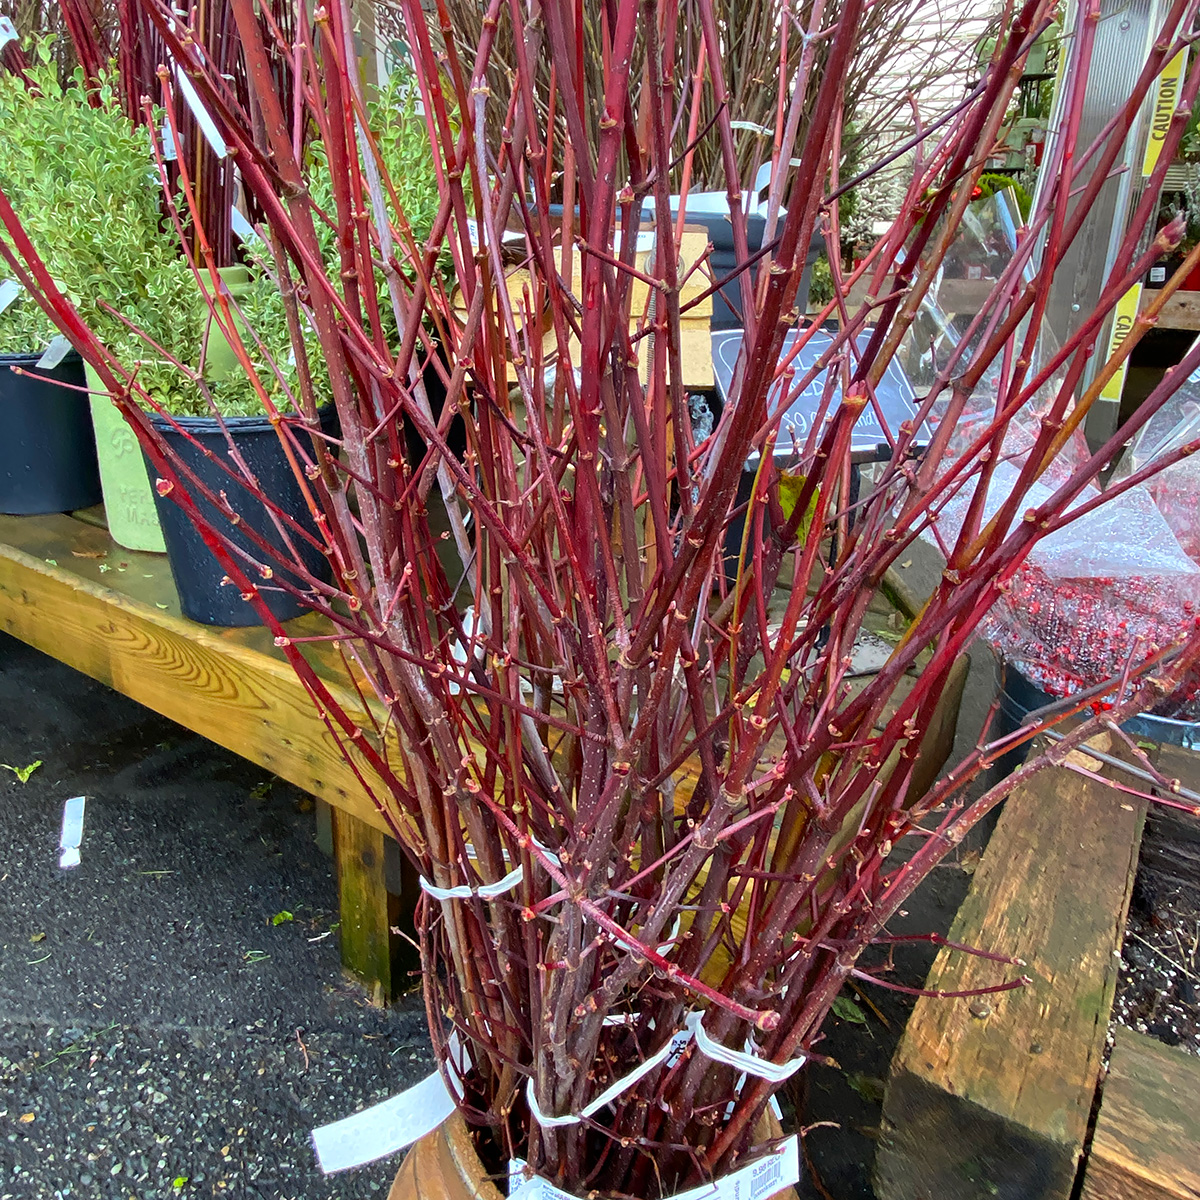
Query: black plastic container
[(196, 571), (1018, 698), (47, 447)]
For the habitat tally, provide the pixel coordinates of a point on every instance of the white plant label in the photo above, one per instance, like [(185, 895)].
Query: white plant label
[(756, 1181), (54, 353), (8, 32), (384, 1128), (10, 289)]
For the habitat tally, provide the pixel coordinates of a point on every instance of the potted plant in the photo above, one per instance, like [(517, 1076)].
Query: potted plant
[(48, 455), (48, 460), (655, 824), (130, 280), (82, 178)]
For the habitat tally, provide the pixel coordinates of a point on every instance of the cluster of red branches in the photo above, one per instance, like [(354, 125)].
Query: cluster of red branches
[(561, 670)]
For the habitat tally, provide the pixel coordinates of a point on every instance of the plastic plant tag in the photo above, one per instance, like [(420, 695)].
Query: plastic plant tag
[(242, 227), (212, 135), (72, 832), (169, 152), (383, 1128), (54, 353), (8, 32), (10, 289), (757, 1180)]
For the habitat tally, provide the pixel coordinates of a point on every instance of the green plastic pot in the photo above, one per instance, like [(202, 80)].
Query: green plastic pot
[(220, 360), (128, 493)]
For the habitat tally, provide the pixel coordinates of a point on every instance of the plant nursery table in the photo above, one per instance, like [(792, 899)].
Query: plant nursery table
[(68, 589)]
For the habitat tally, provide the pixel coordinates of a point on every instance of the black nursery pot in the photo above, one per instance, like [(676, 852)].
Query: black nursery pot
[(47, 446), (196, 571)]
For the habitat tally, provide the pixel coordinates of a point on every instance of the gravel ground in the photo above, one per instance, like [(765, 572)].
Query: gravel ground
[(1159, 988), (159, 1035)]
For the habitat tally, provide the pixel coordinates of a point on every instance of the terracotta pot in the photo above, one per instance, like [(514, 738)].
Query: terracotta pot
[(443, 1165)]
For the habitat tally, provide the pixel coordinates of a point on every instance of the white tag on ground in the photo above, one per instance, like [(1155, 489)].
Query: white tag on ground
[(72, 832), (384, 1128)]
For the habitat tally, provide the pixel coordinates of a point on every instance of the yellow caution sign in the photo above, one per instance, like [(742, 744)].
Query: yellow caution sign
[(1123, 318), (1165, 103)]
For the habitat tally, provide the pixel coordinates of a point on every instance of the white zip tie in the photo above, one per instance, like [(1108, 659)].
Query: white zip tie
[(488, 891), (611, 1092), (750, 1063)]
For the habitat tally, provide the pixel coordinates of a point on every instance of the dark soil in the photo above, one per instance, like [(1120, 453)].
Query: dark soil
[(1159, 989), (156, 1026)]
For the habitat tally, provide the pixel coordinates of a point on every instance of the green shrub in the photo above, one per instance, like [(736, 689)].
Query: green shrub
[(84, 184)]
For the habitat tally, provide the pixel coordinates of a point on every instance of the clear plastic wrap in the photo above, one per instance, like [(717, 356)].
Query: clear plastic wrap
[(1098, 597), (1175, 489)]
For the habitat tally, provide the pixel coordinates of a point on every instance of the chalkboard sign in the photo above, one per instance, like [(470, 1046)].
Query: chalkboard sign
[(868, 441)]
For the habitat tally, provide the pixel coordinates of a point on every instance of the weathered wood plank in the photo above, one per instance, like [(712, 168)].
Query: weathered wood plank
[(1147, 1140), (1171, 846), (367, 909), (1181, 311), (989, 1098), (123, 628)]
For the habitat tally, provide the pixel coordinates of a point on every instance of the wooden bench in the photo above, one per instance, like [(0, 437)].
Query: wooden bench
[(67, 589)]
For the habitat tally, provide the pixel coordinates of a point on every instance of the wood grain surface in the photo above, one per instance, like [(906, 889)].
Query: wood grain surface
[(989, 1097), (1147, 1140), (121, 625)]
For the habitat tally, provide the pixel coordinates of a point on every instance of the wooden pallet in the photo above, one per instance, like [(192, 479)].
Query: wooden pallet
[(989, 1098), (1147, 1140), (67, 589)]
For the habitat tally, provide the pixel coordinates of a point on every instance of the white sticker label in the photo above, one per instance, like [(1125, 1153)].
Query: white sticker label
[(72, 832), (54, 353), (383, 1128), (10, 289), (756, 1181)]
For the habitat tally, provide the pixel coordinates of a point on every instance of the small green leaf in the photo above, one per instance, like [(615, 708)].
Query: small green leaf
[(849, 1011), (179, 1181), (281, 916), (23, 773), (791, 486), (867, 1086), (255, 956)]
